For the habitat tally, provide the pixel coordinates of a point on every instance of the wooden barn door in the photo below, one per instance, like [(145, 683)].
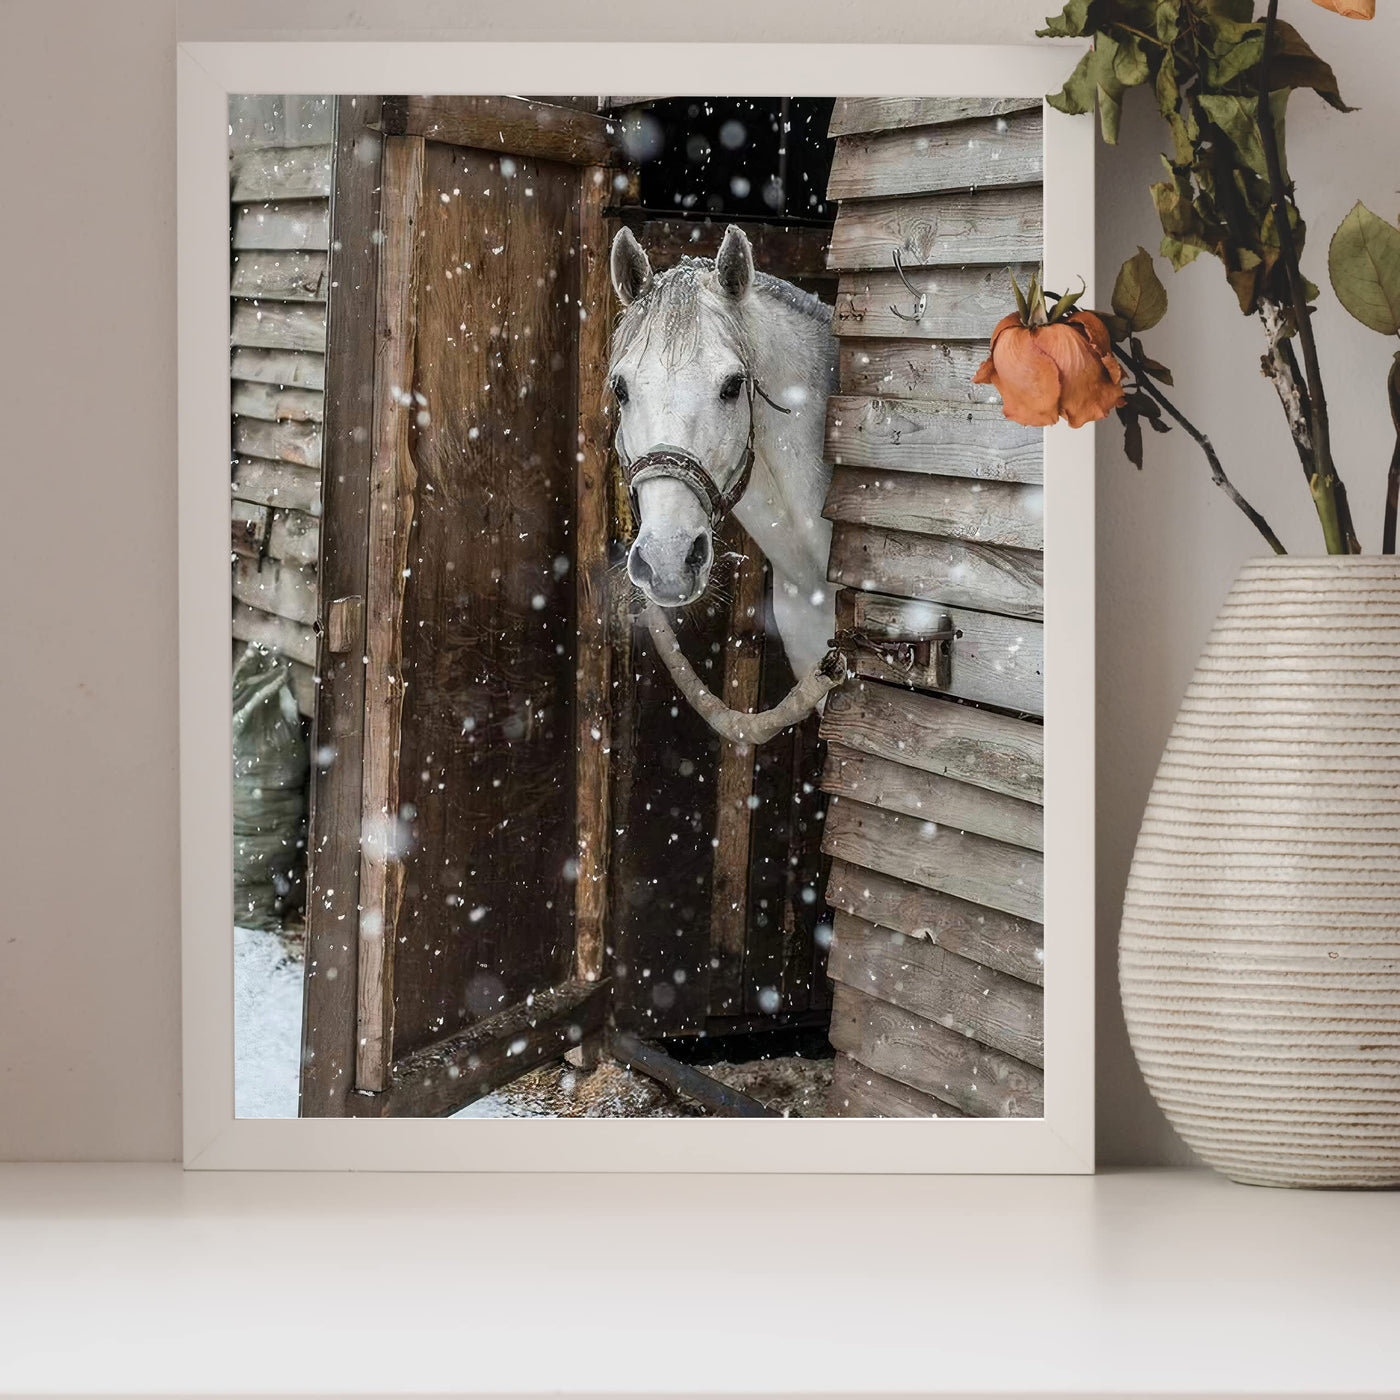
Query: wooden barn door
[(934, 760), (464, 538)]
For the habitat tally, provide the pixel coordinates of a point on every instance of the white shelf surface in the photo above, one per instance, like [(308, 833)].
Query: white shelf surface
[(121, 1280)]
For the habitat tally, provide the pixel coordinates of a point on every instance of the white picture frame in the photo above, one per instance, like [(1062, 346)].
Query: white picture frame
[(1060, 1142)]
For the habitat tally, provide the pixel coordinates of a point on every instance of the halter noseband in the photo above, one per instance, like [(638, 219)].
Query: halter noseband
[(677, 464)]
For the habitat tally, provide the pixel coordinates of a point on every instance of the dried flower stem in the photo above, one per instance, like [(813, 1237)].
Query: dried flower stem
[(1392, 480), (1217, 471), (1322, 481)]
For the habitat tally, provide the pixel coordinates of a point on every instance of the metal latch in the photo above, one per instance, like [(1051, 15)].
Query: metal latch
[(924, 648)]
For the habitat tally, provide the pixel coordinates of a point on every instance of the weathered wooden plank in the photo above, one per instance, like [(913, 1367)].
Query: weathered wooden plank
[(923, 435), (279, 325), (285, 484), (289, 223), (685, 1080), (285, 441), (451, 1073), (279, 276), (274, 119), (982, 1082), (329, 1030), (938, 736), (960, 863), (1009, 513), (977, 154), (294, 368), (895, 786), (857, 1092), (294, 537), (960, 303), (941, 986), (855, 114), (392, 482), (987, 577), (248, 528), (994, 659), (988, 936), (276, 172), (914, 369), (286, 590), (280, 634), (734, 783), (277, 404), (787, 251), (935, 230), (488, 642), (509, 124), (593, 538)]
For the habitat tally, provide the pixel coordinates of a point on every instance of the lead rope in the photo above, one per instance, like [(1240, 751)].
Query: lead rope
[(738, 726)]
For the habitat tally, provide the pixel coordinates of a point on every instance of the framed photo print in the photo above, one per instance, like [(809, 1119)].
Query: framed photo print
[(637, 686)]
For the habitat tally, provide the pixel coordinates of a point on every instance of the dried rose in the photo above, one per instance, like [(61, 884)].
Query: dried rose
[(1065, 367), (1352, 9)]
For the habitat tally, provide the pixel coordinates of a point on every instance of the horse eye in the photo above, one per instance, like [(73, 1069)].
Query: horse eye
[(732, 388), (619, 388)]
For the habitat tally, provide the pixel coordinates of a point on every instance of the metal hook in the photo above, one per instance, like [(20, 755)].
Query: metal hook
[(920, 298)]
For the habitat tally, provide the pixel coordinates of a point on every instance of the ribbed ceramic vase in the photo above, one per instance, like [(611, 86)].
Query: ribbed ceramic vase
[(1260, 951)]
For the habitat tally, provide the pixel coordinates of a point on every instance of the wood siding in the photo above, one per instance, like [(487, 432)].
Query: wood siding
[(280, 172), (934, 768)]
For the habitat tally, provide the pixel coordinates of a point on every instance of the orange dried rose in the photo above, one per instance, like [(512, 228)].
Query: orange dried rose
[(1043, 372), (1352, 9)]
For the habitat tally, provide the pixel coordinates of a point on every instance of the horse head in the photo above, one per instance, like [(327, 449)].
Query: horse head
[(681, 376)]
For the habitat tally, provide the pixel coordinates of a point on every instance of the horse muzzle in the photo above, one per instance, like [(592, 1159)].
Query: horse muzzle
[(672, 570)]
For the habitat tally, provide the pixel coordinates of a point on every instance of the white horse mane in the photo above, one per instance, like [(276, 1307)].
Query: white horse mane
[(670, 309)]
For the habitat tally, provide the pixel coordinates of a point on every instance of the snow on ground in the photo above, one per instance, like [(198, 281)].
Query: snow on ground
[(266, 1024), (267, 979)]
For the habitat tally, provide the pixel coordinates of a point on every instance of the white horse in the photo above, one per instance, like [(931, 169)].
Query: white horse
[(721, 376)]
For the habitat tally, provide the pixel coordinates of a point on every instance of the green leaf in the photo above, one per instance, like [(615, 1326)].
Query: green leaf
[(1077, 95), (1167, 89), (1293, 64), (1237, 117), (1075, 20), (1167, 22), (1238, 49), (1132, 436), (1138, 294), (1155, 368), (1065, 304), (1238, 11), (1130, 66), (1021, 305), (1363, 262), (1245, 285)]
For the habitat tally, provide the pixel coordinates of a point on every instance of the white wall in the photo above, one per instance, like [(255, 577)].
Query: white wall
[(89, 980)]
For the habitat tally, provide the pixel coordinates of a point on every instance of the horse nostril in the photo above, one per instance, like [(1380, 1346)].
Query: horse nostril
[(638, 570), (699, 553)]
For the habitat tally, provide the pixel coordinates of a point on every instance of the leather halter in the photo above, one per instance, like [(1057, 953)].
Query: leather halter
[(677, 464)]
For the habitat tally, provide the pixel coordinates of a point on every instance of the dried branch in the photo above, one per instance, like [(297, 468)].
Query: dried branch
[(1217, 471), (1323, 478)]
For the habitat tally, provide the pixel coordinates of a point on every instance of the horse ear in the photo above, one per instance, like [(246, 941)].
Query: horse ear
[(734, 265), (631, 271)]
